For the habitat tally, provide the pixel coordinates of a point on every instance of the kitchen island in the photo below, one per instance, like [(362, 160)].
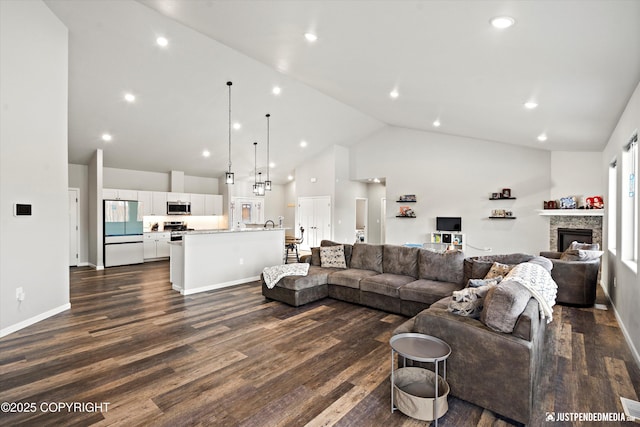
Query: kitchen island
[(206, 260)]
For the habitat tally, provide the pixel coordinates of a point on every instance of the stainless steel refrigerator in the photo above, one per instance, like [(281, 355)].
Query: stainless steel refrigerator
[(123, 237)]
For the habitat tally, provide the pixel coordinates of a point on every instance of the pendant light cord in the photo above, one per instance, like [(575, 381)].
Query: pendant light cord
[(229, 84), (268, 164)]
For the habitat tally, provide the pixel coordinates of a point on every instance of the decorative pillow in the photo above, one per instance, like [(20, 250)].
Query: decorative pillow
[(348, 249), (476, 283), (503, 305), (586, 246), (498, 269), (542, 261), (468, 301), (332, 256), (580, 255)]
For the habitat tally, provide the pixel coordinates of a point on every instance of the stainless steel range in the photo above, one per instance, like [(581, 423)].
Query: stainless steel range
[(177, 229)]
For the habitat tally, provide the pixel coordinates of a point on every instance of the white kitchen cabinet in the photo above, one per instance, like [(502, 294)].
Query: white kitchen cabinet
[(145, 199), (159, 200), (117, 194), (156, 245), (212, 204), (197, 204), (178, 197)]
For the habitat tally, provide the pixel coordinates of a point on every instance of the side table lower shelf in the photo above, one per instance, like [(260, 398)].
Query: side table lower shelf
[(418, 392)]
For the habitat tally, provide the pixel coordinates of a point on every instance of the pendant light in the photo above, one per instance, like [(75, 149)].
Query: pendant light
[(229, 179), (267, 183), (258, 185)]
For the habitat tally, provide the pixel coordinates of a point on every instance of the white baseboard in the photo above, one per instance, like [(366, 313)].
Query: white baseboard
[(35, 319), (218, 285), (627, 337)]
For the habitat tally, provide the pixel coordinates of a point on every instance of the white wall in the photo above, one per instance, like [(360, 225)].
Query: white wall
[(619, 279), (576, 173), (375, 193), (156, 181), (34, 250), (454, 176)]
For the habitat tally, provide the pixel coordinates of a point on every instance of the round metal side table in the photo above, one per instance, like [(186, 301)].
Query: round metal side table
[(420, 348)]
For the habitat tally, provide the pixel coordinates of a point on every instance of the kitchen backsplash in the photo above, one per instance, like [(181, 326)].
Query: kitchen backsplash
[(191, 221)]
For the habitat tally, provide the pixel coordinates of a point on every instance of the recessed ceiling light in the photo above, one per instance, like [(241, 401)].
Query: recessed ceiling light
[(129, 97), (237, 125), (290, 177), (206, 153), (436, 123), (106, 137), (162, 41), (303, 143), (502, 22), (310, 37), (530, 105), (394, 94), (542, 137), (272, 165), (276, 90)]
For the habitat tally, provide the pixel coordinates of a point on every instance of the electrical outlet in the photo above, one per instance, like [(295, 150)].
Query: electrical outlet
[(241, 261)]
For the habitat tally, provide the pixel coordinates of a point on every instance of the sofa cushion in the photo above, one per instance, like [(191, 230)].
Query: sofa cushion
[(478, 267), (444, 267), (401, 260), (332, 256), (317, 276), (385, 284), (427, 291), (349, 278), (367, 257), (348, 249), (468, 302), (315, 256), (503, 305)]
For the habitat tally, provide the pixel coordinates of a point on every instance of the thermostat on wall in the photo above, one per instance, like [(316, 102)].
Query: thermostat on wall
[(21, 209)]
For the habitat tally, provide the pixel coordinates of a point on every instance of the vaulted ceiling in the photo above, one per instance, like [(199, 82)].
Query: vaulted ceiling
[(578, 60)]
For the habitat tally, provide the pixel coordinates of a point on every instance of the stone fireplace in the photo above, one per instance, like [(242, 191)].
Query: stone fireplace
[(574, 228)]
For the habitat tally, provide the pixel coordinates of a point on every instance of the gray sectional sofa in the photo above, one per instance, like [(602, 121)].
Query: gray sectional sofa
[(497, 371), (397, 279), (493, 370)]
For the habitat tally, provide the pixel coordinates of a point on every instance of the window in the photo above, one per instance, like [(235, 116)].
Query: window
[(629, 205), (611, 206)]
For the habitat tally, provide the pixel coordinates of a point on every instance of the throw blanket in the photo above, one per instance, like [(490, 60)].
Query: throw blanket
[(273, 274), (539, 283)]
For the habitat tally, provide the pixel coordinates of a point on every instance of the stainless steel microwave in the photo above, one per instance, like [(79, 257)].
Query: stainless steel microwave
[(178, 208)]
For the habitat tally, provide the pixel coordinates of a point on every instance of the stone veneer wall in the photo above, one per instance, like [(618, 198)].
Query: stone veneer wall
[(588, 222)]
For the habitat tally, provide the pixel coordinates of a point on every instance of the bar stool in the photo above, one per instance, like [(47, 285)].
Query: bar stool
[(291, 245)]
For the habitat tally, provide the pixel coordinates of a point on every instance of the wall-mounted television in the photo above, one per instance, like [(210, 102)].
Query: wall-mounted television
[(448, 223)]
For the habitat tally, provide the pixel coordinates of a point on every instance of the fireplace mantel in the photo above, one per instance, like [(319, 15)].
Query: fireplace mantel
[(571, 212)]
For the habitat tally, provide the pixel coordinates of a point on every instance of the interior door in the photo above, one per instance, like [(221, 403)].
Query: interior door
[(314, 215), (73, 227)]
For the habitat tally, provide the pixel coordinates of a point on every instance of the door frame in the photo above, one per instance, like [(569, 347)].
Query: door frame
[(76, 192)]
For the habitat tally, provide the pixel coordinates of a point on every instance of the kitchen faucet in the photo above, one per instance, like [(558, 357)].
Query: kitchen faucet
[(273, 224)]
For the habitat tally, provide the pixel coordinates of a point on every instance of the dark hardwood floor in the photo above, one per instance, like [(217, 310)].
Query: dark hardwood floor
[(231, 358)]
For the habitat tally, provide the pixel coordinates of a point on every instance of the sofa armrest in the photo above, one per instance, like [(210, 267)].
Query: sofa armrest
[(405, 327), (551, 254), (576, 280), (306, 258)]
